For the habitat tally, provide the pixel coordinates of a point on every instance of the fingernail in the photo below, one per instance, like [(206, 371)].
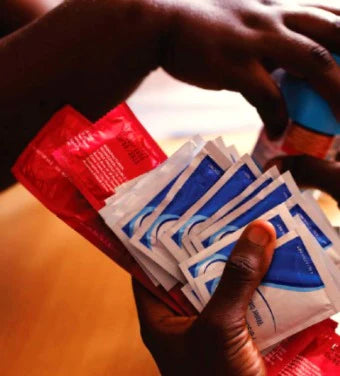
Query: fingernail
[(259, 236)]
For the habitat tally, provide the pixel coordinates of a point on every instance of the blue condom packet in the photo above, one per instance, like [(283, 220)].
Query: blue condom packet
[(233, 182), (125, 212), (296, 292), (207, 167), (323, 233), (252, 190), (215, 256), (275, 194)]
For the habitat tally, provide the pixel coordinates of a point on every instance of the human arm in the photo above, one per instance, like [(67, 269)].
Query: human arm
[(93, 54)]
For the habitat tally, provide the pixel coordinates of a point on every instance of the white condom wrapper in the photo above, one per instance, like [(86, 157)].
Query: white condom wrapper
[(296, 292), (279, 191), (207, 167)]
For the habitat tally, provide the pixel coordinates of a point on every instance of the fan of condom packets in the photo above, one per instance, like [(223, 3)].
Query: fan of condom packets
[(181, 221)]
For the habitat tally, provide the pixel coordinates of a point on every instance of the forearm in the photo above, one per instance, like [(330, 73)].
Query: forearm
[(93, 61)]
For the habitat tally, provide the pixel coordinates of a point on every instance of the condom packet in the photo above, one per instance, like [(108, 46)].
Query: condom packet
[(215, 256), (252, 190), (128, 213), (313, 351), (318, 227), (298, 277), (116, 150), (236, 179), (126, 188), (207, 167), (38, 171), (279, 191)]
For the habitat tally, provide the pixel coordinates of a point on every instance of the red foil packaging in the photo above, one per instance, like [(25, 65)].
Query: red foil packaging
[(116, 150), (100, 159), (312, 352), (39, 172)]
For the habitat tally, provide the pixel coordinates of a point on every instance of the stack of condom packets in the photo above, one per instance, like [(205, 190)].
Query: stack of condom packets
[(182, 220)]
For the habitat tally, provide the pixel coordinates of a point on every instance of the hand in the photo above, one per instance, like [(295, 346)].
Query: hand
[(311, 172), (215, 44), (233, 44), (216, 342)]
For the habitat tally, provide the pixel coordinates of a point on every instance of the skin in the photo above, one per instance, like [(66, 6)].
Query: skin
[(311, 172), (218, 45), (217, 341)]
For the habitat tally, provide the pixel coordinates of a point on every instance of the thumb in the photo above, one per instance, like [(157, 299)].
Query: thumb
[(223, 320), (312, 172), (244, 269)]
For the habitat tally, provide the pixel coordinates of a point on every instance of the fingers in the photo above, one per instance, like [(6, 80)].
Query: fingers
[(261, 91), (328, 5), (316, 23), (244, 271), (312, 172), (306, 58)]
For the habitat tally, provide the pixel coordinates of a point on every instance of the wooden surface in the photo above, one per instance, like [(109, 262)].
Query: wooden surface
[(65, 309)]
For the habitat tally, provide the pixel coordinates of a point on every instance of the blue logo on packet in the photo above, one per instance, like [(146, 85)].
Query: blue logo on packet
[(312, 227), (273, 199), (291, 269), (223, 254), (212, 284), (154, 229), (178, 236), (138, 219), (236, 184), (203, 177)]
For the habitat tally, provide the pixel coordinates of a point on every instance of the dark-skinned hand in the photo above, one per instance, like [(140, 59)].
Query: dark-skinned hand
[(217, 341)]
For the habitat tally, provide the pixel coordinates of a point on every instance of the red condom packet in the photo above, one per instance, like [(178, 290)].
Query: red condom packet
[(37, 170), (312, 352), (116, 150)]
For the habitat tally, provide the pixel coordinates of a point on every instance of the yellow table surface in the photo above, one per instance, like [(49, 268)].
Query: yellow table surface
[(65, 308)]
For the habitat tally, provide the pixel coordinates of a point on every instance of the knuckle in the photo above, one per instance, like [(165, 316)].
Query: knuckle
[(242, 268), (221, 324), (321, 56), (259, 20)]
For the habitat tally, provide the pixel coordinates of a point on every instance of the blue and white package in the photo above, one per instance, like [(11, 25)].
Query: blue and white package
[(207, 167), (257, 186), (253, 189), (296, 292), (329, 263), (321, 231), (275, 194), (229, 151), (215, 256), (137, 186), (235, 180), (125, 212)]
